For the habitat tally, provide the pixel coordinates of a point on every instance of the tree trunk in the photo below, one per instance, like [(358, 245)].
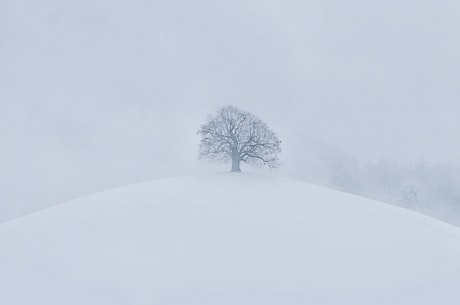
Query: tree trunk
[(236, 163)]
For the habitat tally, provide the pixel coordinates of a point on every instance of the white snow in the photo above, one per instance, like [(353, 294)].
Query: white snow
[(227, 239)]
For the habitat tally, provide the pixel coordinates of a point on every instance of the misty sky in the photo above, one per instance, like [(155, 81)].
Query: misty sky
[(97, 93)]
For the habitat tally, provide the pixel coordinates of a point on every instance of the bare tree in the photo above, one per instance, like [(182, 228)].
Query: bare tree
[(239, 136)]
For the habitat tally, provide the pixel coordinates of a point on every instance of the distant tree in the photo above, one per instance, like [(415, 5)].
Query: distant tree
[(239, 136), (408, 197)]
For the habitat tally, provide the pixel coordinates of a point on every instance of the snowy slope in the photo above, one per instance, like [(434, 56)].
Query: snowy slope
[(227, 239)]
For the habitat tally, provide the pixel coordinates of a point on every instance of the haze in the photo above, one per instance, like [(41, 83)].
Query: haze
[(98, 94)]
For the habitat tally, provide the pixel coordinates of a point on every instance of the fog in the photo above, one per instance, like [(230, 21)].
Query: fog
[(99, 94)]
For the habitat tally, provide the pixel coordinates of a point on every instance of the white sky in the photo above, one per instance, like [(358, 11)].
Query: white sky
[(95, 94)]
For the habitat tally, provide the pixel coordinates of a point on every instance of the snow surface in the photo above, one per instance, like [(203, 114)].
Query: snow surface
[(228, 239)]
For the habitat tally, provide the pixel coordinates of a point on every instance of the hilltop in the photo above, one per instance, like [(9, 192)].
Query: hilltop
[(227, 239)]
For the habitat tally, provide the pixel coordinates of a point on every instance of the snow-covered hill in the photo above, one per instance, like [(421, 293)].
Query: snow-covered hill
[(227, 239)]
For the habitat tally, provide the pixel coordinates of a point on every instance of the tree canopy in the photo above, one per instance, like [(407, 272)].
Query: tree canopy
[(239, 136)]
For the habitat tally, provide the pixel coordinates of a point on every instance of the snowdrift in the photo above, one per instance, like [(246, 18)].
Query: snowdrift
[(227, 239)]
